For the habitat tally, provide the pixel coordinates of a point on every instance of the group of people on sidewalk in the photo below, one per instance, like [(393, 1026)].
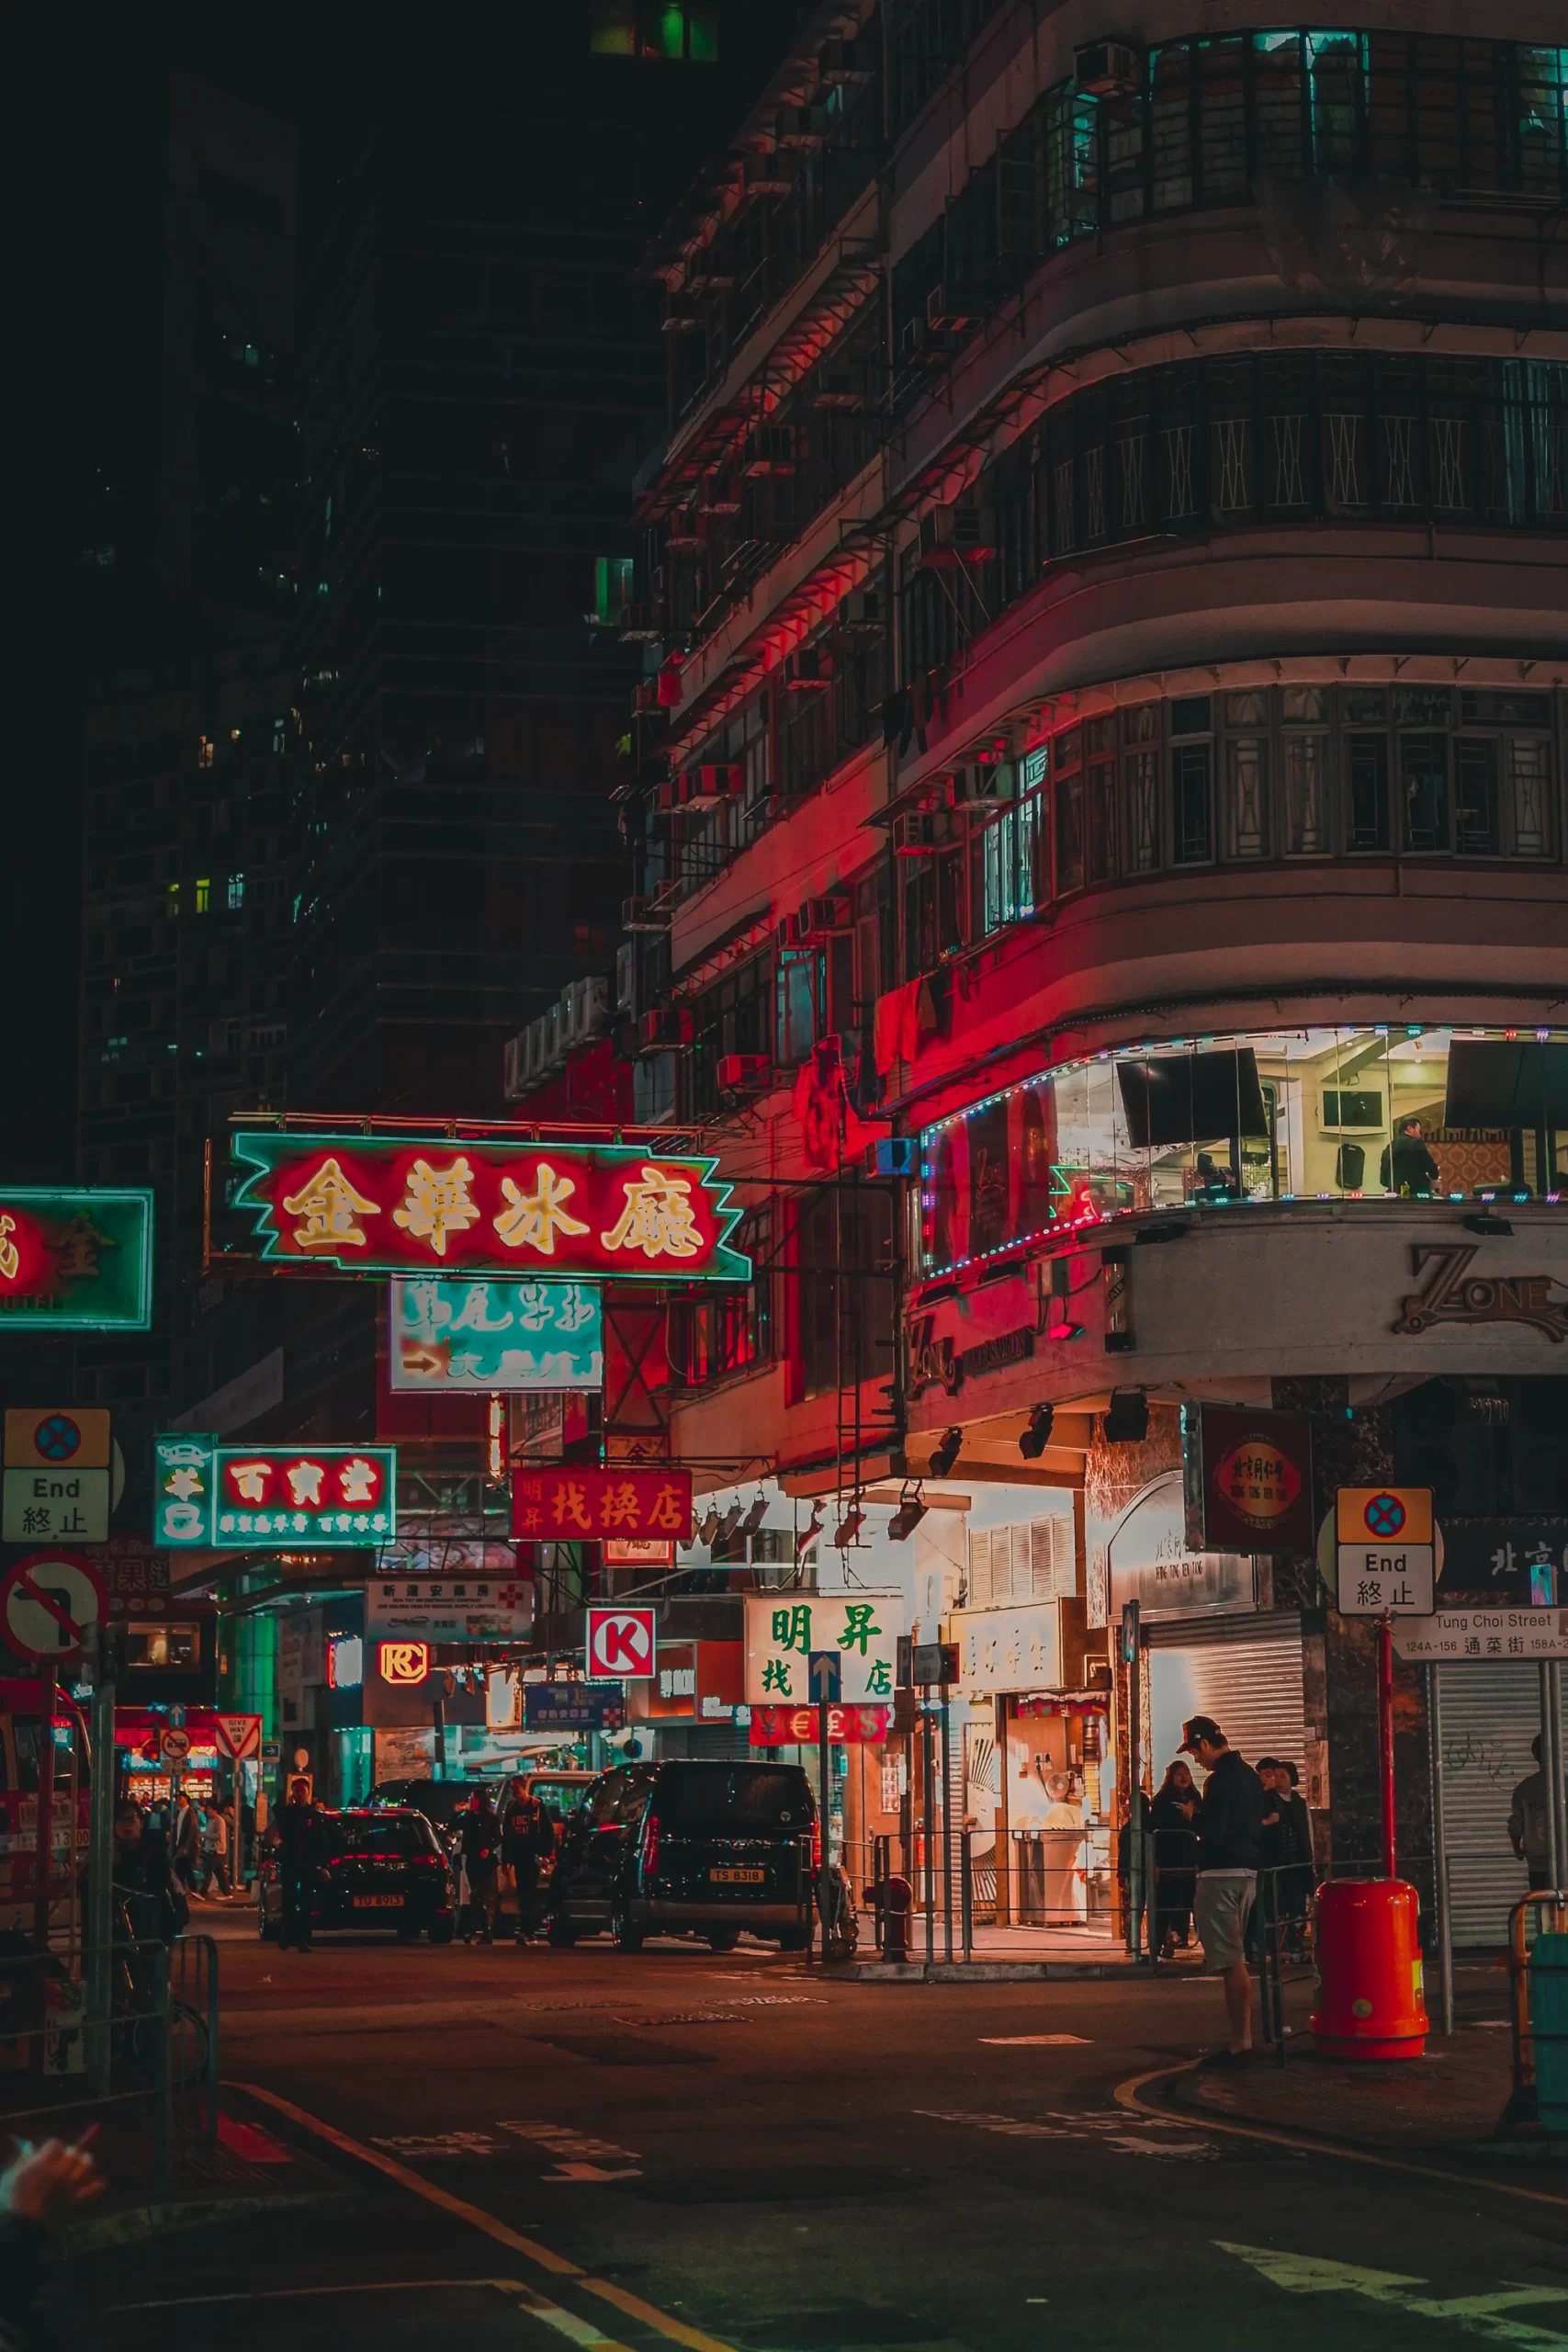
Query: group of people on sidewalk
[(503, 1852)]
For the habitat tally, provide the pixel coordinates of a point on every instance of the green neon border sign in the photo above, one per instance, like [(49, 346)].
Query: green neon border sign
[(116, 1296)]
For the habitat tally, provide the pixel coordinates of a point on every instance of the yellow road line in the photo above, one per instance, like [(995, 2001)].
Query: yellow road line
[(579, 2331), (1126, 2094), (676, 2330)]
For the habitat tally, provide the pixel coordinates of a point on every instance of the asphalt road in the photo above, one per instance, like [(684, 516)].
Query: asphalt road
[(725, 2152)]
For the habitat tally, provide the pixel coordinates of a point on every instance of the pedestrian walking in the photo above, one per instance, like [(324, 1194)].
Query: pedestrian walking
[(144, 1884), (528, 1841), (480, 1846), (215, 1848), (186, 1843), (299, 1835), (1528, 1827), (1230, 1829), (1171, 1818)]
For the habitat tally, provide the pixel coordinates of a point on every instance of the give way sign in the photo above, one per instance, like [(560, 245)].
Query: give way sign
[(620, 1642), (46, 1600)]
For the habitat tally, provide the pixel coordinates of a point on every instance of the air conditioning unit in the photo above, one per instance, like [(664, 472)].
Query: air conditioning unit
[(685, 535), (645, 698), (716, 494), (852, 387), (737, 1071), (953, 309), (664, 1029), (641, 622), (802, 128), (787, 933), (921, 833), (771, 450), (951, 536), (722, 783), (517, 1063), (807, 669), (626, 978), (682, 317), (585, 1009), (863, 613), (1108, 69), (643, 914), (820, 918), (765, 175)]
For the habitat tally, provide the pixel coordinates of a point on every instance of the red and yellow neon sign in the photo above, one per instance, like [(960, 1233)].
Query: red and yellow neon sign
[(383, 1205)]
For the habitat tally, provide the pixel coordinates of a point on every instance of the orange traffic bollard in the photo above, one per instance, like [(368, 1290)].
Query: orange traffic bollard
[(897, 1905), (1369, 1960)]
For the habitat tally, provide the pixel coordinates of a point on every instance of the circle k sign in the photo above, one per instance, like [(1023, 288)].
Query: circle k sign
[(620, 1642)]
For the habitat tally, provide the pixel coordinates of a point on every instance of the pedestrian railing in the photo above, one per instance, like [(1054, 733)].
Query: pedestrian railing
[(144, 2065)]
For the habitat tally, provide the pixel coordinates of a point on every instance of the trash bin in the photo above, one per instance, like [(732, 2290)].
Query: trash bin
[(1548, 2029), (1368, 1961)]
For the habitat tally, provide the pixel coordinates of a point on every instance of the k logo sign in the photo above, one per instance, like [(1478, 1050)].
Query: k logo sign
[(621, 1642)]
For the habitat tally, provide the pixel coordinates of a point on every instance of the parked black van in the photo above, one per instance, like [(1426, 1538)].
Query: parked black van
[(686, 1848)]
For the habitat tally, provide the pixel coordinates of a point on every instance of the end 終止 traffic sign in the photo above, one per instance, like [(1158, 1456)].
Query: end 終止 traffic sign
[(621, 1642), (48, 1601), (1386, 1551)]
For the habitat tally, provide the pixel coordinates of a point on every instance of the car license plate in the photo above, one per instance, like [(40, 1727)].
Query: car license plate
[(378, 1902), (739, 1877)]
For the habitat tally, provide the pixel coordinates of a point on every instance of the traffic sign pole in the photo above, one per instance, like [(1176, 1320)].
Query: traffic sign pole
[(46, 1833), (1385, 1737)]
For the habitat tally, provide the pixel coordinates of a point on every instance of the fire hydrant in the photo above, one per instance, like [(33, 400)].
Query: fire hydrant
[(897, 1908)]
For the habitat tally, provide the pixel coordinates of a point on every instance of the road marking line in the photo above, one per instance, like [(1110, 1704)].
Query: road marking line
[(1031, 2040), (544, 2255), (1126, 2094), (280, 2294), (633, 2305), (1309, 2274), (567, 2323)]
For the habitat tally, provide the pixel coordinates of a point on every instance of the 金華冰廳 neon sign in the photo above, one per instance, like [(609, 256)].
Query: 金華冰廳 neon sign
[(380, 1204)]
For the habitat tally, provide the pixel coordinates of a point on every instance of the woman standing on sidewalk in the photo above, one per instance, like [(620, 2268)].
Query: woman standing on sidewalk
[(1171, 1816)]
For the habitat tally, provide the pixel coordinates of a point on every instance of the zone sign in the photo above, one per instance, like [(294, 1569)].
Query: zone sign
[(621, 1643)]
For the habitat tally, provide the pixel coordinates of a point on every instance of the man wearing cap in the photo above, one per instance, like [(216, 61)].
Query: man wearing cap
[(1230, 1830)]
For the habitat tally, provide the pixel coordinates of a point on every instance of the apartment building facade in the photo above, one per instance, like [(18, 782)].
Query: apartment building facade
[(1101, 786)]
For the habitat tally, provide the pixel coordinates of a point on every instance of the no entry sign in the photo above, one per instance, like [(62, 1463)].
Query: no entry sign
[(48, 1600), (621, 1642)]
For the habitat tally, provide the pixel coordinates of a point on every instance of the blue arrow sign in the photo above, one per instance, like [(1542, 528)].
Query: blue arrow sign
[(824, 1675)]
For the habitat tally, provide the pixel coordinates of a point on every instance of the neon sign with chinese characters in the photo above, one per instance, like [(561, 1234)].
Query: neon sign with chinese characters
[(587, 1506), (76, 1261), (241, 1498), (380, 1204), (452, 1332)]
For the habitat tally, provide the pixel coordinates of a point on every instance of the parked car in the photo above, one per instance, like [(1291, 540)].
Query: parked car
[(381, 1867), (684, 1848)]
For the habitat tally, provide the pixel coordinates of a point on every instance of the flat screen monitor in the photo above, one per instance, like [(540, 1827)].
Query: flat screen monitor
[(1192, 1098), (1505, 1084)]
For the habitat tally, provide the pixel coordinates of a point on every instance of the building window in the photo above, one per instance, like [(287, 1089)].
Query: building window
[(1190, 804), (799, 997), (1245, 830), (203, 893), (172, 898), (611, 587), (236, 892), (652, 28)]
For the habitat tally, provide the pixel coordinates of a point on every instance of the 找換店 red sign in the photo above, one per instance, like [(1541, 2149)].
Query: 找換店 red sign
[(568, 1505), (1247, 1480), (378, 1205)]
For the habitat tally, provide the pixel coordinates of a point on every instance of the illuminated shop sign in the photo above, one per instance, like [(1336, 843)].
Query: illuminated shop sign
[(1390, 1111), (458, 1332), (404, 1664), (76, 1261), (432, 1204), (242, 1499), (587, 1505)]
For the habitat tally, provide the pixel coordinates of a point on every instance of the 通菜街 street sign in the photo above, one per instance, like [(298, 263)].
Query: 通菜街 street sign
[(241, 1498), (78, 1260), (53, 1506), (1482, 1634), (783, 1631), (586, 1505), (481, 1332), (439, 1203)]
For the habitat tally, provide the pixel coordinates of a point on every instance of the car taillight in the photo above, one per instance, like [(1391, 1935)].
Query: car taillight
[(816, 1842), (651, 1847)]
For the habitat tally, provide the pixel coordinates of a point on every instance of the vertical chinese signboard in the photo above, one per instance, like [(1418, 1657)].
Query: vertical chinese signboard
[(440, 1203), (76, 1261), (1247, 1480), (241, 1499), (782, 1631)]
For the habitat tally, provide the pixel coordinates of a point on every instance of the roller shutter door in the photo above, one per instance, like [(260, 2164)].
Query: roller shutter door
[(1491, 1712), (1245, 1671)]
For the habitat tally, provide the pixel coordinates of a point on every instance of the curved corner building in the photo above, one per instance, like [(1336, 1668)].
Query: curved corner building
[(1110, 555)]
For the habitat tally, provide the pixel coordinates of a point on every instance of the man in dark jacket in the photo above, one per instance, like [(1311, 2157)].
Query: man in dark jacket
[(300, 1849), (1230, 1831), (1407, 1166), (527, 1840)]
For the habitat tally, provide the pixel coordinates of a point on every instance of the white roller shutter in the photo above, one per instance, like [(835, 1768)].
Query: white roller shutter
[(1490, 1713), (1244, 1672)]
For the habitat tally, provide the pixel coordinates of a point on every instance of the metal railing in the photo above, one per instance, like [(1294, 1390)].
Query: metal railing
[(149, 2060)]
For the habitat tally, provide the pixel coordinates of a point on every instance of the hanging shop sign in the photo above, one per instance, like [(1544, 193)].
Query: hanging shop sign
[(1484, 1634), (587, 1505), (79, 1261), (782, 1633), (573, 1706), (1149, 1561), (449, 1609), (1247, 1480), (242, 1499), (405, 1665), (433, 1204), (458, 1332), (1519, 1560), (1009, 1649), (799, 1726)]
